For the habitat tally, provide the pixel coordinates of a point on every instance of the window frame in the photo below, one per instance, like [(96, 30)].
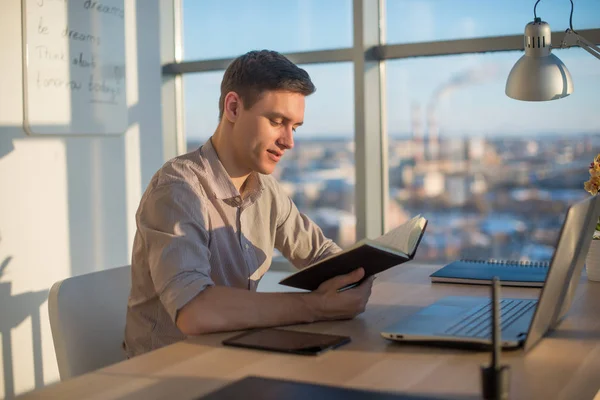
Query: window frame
[(368, 55)]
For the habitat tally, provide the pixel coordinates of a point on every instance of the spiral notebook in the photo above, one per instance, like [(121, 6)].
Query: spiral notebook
[(481, 272)]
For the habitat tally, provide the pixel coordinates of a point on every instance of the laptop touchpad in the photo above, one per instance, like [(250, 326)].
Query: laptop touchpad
[(441, 310)]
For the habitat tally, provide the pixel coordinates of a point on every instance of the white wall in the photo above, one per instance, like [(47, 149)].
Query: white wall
[(67, 204)]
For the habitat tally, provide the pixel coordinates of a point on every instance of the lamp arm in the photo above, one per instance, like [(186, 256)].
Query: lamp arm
[(574, 39)]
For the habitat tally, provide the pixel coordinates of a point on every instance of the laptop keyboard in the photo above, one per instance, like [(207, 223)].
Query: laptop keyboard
[(478, 322)]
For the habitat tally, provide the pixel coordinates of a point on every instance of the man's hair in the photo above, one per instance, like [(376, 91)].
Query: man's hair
[(255, 72)]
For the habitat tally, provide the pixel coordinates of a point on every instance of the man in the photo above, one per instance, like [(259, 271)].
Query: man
[(210, 219)]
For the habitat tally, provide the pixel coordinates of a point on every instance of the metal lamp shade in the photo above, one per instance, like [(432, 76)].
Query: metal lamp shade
[(535, 78)]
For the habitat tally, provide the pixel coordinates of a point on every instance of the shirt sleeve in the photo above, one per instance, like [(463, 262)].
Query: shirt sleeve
[(172, 225), (298, 238)]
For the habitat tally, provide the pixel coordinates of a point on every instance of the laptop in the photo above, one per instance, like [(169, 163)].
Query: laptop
[(465, 321)]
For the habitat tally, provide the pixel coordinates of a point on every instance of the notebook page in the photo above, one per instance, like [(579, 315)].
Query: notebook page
[(403, 237), (416, 233)]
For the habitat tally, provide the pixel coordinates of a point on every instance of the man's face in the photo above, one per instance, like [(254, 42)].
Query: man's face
[(263, 133)]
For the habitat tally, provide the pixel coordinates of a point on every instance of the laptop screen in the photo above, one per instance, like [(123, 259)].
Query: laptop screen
[(565, 268)]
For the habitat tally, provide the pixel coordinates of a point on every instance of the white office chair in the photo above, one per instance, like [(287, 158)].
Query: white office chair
[(87, 319)]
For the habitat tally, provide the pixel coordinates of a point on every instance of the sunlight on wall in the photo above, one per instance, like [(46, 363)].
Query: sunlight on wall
[(133, 179), (35, 236), (131, 52), (67, 205)]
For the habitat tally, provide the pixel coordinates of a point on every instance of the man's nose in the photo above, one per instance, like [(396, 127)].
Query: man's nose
[(287, 139)]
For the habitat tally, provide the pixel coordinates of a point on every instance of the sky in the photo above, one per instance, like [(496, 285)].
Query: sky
[(477, 107)]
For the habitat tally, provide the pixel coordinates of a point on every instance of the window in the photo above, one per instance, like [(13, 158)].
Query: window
[(410, 21), (214, 29), (493, 175), (201, 106), (318, 173)]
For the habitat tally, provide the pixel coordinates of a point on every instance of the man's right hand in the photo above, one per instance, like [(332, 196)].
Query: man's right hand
[(331, 304)]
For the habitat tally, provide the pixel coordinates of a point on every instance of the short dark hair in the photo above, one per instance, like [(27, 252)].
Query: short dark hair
[(258, 71)]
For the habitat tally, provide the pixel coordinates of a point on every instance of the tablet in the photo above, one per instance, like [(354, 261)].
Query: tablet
[(287, 341)]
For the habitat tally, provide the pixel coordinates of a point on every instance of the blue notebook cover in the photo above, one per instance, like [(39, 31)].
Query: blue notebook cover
[(481, 272)]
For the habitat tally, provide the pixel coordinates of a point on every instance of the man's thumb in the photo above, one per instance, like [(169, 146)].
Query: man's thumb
[(347, 279)]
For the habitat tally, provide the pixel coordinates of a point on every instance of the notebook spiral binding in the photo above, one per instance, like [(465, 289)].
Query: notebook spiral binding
[(517, 263)]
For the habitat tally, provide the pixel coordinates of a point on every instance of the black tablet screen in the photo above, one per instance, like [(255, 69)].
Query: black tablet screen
[(287, 341)]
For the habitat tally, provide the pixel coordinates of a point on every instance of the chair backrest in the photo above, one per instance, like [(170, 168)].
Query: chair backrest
[(87, 319)]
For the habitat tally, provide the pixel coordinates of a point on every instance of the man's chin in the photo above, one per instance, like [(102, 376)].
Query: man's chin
[(266, 169)]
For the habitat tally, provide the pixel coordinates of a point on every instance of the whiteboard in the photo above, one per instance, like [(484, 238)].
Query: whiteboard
[(74, 67)]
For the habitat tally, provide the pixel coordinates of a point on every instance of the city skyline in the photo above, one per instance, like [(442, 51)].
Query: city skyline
[(484, 198)]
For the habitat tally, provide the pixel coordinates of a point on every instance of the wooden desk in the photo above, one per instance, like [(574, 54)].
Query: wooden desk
[(565, 365)]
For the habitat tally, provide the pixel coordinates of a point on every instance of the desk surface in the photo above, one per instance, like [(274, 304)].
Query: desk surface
[(565, 365)]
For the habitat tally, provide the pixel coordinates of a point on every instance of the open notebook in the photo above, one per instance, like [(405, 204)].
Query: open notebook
[(374, 255)]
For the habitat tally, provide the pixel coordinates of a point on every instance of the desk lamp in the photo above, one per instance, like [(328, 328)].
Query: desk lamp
[(540, 75)]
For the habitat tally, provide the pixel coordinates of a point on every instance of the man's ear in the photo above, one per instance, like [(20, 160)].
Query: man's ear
[(232, 106)]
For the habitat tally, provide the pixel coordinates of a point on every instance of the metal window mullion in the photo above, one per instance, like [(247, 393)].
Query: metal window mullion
[(464, 46), (172, 85), (181, 140), (387, 51), (305, 57), (385, 185), (369, 187)]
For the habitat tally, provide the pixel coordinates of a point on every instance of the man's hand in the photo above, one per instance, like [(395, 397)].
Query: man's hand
[(331, 304)]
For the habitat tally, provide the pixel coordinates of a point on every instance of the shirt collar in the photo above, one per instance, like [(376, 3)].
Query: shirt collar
[(221, 184)]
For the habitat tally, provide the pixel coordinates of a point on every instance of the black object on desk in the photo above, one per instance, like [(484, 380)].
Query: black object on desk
[(495, 378), (259, 388), (481, 272), (287, 341)]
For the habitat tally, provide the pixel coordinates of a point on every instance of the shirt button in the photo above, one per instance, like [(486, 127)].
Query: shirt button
[(246, 246)]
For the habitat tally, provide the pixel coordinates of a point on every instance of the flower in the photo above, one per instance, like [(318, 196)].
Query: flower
[(593, 186)]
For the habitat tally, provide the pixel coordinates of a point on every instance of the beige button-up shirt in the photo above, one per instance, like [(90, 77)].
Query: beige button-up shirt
[(194, 230)]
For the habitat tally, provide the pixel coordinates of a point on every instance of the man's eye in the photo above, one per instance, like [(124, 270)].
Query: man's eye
[(275, 123)]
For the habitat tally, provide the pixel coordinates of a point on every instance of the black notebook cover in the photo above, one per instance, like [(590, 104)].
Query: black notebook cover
[(510, 273), (368, 254), (259, 388), (372, 259)]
